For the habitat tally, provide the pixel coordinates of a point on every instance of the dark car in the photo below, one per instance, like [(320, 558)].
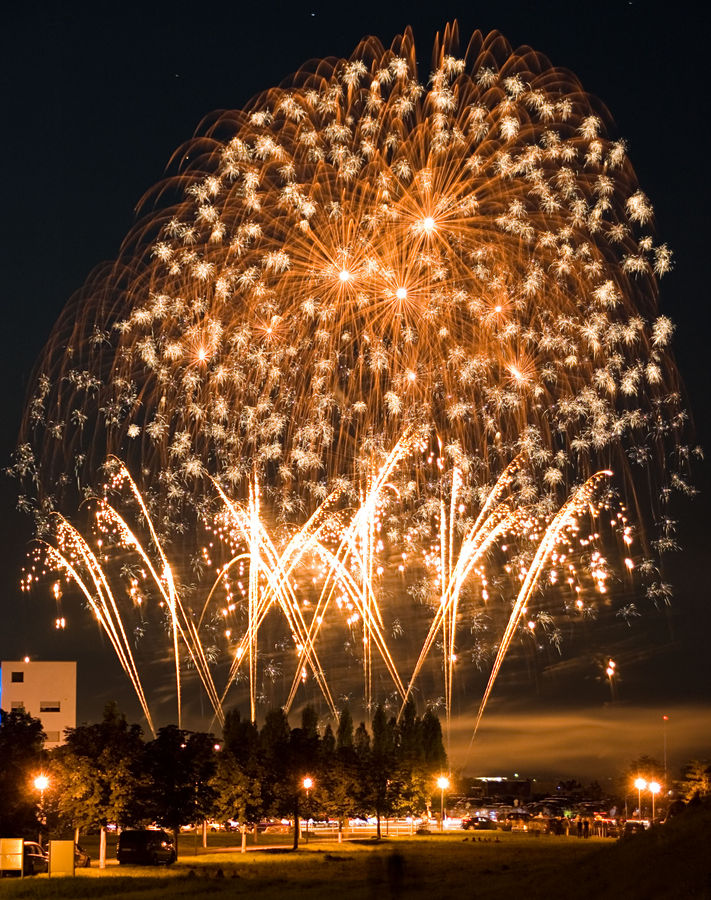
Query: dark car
[(478, 823), (149, 847), (82, 860), (35, 860), (635, 826)]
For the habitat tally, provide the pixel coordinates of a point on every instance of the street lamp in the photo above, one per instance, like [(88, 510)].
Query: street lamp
[(308, 783), (654, 789), (641, 785), (41, 784), (442, 784), (611, 671), (665, 719)]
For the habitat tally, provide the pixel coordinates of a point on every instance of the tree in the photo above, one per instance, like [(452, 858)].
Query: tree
[(408, 786), (696, 780), (303, 761), (382, 765), (419, 758), (344, 733), (181, 767), (572, 788), (21, 756), (274, 752), (361, 753), (239, 774), (594, 791), (241, 737), (338, 784), (361, 744), (397, 767), (435, 756), (238, 796), (98, 774)]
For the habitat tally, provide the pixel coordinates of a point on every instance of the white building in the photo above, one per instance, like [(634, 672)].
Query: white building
[(45, 690)]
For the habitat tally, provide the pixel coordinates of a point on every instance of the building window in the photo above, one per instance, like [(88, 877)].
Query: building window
[(17, 706), (49, 706), (52, 737), (17, 677)]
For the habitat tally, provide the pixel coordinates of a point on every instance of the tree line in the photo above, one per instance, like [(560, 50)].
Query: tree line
[(107, 772)]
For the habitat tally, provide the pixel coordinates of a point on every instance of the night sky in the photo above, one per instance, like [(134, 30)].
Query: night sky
[(94, 106)]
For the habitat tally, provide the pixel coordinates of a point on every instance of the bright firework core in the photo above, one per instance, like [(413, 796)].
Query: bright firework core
[(346, 403)]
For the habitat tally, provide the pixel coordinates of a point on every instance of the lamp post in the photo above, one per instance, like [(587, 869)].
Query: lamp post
[(654, 789), (610, 671), (442, 784), (41, 784), (641, 785), (308, 783), (665, 720)]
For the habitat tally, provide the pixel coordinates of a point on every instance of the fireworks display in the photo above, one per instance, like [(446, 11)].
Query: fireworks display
[(347, 408)]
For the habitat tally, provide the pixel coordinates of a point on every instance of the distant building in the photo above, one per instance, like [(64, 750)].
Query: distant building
[(45, 690), (499, 787)]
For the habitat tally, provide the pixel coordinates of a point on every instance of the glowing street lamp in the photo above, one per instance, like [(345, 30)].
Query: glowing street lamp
[(654, 789), (611, 672), (442, 784), (41, 783), (641, 785), (308, 783)]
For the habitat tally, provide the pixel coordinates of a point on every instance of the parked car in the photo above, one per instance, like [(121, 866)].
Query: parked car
[(538, 824), (478, 823), (148, 847), (635, 826), (515, 821), (82, 860), (35, 859)]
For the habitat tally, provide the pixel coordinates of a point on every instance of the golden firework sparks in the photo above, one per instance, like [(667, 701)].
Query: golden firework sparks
[(379, 336)]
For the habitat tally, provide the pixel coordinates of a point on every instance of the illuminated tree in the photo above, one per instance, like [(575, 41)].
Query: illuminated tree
[(696, 780)]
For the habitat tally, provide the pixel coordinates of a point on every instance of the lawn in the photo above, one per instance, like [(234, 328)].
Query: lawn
[(670, 862), (423, 866)]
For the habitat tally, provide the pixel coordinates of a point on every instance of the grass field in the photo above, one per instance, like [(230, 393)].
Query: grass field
[(670, 862)]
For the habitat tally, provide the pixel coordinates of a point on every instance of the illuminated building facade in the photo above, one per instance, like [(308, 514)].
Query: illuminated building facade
[(45, 690)]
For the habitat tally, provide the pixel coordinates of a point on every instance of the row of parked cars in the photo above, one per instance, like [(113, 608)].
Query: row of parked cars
[(513, 821), (150, 846), (35, 858), (524, 821)]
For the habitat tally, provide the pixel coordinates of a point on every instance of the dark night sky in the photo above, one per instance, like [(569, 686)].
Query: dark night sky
[(93, 107)]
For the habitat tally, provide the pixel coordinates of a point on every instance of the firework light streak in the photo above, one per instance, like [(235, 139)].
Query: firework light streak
[(356, 543), (353, 305), (273, 573), (493, 522), (574, 506), (276, 568), (101, 601), (181, 620)]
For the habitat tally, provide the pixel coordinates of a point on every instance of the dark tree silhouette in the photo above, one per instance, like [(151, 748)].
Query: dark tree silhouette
[(21, 741)]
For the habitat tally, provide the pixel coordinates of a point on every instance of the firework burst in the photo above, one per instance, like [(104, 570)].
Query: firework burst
[(372, 330)]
